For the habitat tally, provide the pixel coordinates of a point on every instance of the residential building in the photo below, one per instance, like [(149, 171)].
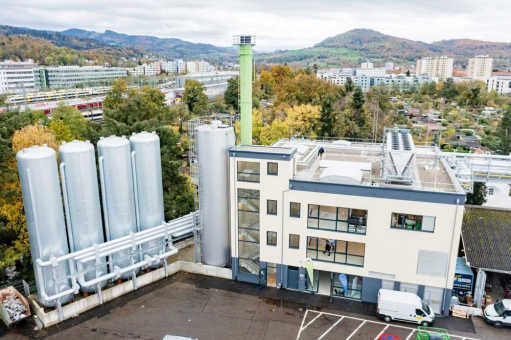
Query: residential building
[(174, 67), (391, 219), (440, 67), (389, 66), (151, 69), (367, 65), (498, 194), (137, 71), (480, 67), (370, 72), (73, 76), (16, 77), (501, 84), (198, 67)]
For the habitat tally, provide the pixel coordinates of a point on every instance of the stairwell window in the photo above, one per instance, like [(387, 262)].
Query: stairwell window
[(249, 171), (413, 222), (271, 207), (248, 231), (294, 241), (273, 169), (294, 209)]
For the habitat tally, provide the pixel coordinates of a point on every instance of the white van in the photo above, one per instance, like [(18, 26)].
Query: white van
[(403, 306), (498, 314)]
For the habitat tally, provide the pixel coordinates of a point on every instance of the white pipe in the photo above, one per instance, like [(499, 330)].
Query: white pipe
[(122, 240), (135, 187), (66, 207), (103, 197), (186, 231)]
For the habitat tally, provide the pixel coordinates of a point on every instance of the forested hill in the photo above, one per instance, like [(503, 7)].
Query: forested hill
[(169, 47), (53, 48), (357, 45)]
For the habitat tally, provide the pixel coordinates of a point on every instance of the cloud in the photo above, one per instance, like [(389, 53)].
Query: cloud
[(278, 24)]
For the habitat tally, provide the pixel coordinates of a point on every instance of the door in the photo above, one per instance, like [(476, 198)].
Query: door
[(263, 277), (409, 288), (433, 297), (507, 318), (292, 278)]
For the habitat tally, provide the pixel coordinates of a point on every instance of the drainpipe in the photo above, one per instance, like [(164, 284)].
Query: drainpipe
[(236, 255), (449, 258), (103, 196), (135, 187)]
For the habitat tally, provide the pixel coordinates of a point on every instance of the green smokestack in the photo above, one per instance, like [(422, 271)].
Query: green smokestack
[(245, 43)]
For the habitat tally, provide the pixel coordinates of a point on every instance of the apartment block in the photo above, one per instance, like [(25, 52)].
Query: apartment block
[(440, 67), (480, 67)]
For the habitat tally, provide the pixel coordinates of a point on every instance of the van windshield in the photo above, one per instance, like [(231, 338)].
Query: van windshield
[(425, 308)]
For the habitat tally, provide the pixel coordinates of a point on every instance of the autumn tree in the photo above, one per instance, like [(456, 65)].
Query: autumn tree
[(231, 93), (504, 133), (267, 84), (195, 97), (67, 123), (303, 120)]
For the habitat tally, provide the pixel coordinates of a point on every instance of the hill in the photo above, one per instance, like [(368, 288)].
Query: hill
[(53, 48), (169, 47), (352, 47)]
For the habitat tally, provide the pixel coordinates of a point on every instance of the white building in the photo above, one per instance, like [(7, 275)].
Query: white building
[(287, 203), (498, 194), (501, 84), (73, 76), (199, 66), (389, 66), (366, 65), (150, 69), (480, 67), (440, 67), (174, 66), (337, 76), (16, 77), (370, 72)]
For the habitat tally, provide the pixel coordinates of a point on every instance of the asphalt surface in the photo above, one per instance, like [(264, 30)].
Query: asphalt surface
[(210, 308)]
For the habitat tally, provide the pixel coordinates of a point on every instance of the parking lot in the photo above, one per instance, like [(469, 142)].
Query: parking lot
[(321, 325), (209, 308)]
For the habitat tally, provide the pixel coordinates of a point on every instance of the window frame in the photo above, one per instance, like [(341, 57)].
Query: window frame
[(291, 209), (348, 222), (268, 238), (257, 175), (335, 252), (289, 241), (402, 227), (268, 207), (271, 173)]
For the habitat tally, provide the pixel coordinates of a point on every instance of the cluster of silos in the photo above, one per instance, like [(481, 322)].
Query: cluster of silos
[(131, 190), (213, 144)]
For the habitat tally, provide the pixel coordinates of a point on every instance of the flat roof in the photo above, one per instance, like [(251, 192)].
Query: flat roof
[(263, 152), (428, 177), (486, 235)]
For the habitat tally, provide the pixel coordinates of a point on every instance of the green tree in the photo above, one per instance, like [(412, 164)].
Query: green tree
[(478, 195), (67, 123), (504, 133), (195, 97), (407, 73), (448, 89), (267, 83), (231, 93), (349, 86)]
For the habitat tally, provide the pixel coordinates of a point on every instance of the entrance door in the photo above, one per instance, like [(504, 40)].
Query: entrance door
[(263, 277), (292, 278), (433, 297)]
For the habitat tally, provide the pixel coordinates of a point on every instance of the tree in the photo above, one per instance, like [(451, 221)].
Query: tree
[(448, 89), (303, 120), (195, 97), (282, 72), (407, 73), (117, 93), (267, 83), (349, 85), (67, 123), (478, 196), (231, 93), (504, 133)]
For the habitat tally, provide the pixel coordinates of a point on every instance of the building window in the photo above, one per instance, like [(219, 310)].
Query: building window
[(294, 241), (343, 252), (271, 238), (294, 209), (413, 222), (337, 219), (248, 231), (271, 207), (248, 171), (344, 285), (490, 191), (273, 169)]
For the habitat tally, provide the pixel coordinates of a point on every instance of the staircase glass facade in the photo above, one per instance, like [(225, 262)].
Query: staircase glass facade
[(248, 231)]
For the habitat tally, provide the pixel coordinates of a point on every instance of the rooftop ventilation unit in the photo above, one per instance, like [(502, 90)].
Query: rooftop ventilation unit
[(398, 162)]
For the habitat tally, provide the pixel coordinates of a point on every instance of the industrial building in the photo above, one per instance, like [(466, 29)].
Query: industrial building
[(73, 76), (16, 77)]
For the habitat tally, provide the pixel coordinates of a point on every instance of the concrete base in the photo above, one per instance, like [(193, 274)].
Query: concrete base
[(73, 309)]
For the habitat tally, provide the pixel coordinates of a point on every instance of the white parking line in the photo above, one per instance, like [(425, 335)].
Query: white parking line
[(382, 331), (412, 330), (335, 324)]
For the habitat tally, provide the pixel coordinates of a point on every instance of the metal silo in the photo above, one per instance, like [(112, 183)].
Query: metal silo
[(42, 200), (117, 193), (213, 144), (81, 201), (146, 162)]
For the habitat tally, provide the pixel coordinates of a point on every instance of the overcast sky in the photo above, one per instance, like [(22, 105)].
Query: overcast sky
[(278, 24)]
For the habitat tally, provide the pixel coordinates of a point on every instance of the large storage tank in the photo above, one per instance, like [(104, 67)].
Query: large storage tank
[(146, 158), (117, 191), (42, 200), (81, 201), (213, 144)]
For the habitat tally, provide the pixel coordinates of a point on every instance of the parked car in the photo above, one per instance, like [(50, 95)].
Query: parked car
[(403, 306), (499, 313), (176, 337)]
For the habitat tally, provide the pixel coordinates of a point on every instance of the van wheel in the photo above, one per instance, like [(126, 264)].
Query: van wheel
[(387, 318), (497, 324), (424, 323)]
